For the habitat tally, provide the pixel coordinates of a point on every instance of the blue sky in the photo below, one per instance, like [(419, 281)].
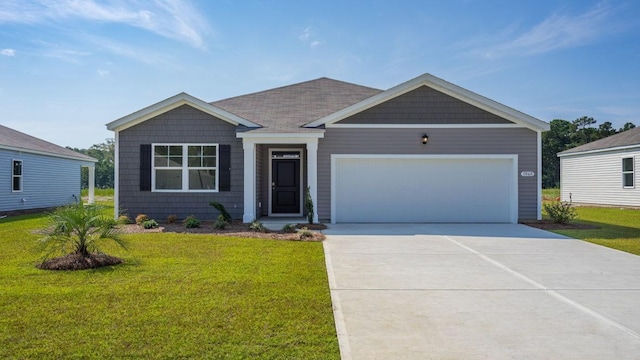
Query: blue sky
[(68, 67)]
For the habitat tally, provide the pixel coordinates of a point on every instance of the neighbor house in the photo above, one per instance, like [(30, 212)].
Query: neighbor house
[(603, 171), (38, 174), (425, 150)]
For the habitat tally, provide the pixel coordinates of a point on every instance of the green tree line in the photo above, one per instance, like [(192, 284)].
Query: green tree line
[(105, 166), (565, 135)]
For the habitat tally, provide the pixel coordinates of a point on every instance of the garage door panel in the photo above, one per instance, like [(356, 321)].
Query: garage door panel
[(423, 190)]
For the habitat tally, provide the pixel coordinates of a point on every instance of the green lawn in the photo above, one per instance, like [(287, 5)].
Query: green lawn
[(616, 228), (177, 296)]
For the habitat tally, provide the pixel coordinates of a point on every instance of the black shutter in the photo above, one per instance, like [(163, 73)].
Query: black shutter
[(145, 167), (225, 167)]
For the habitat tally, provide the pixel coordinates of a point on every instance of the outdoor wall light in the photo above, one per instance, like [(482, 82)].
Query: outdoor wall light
[(425, 139)]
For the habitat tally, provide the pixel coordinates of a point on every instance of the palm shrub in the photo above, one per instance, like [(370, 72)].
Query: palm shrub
[(77, 231), (223, 211)]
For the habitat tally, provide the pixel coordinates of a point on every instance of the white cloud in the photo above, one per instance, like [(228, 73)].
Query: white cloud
[(553, 33), (103, 73), (173, 19), (308, 36), (8, 52)]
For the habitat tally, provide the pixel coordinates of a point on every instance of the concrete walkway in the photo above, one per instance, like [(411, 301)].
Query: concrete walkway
[(449, 291)]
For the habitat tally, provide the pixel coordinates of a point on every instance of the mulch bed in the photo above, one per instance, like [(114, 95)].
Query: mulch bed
[(237, 229), (550, 225), (79, 262)]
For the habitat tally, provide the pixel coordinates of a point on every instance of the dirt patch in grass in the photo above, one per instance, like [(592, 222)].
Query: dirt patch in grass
[(79, 262), (550, 225), (236, 228)]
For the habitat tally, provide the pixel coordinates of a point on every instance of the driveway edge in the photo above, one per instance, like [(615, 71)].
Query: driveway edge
[(341, 327)]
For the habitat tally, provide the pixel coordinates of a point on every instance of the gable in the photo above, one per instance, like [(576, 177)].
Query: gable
[(424, 105), (516, 117)]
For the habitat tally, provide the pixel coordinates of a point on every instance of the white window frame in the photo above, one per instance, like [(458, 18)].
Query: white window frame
[(184, 168), (13, 175), (632, 172)]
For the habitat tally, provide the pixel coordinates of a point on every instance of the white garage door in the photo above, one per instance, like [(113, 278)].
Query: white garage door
[(423, 189)]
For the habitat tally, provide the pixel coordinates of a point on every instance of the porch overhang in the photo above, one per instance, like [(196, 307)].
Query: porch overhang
[(249, 142)]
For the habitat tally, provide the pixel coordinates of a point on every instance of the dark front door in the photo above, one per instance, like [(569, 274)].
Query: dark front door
[(285, 186)]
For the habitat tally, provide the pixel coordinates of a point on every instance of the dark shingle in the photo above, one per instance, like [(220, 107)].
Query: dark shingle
[(626, 138), (288, 108), (17, 140)]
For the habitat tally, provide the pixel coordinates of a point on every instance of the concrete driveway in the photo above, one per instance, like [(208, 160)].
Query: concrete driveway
[(476, 291)]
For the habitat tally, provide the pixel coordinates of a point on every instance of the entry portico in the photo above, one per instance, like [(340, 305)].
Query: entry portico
[(280, 141)]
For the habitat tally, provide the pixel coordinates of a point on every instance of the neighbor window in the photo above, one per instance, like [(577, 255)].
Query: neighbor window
[(627, 172), (16, 175), (188, 167)]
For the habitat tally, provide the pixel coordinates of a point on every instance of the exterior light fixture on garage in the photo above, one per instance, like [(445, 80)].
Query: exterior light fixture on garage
[(425, 139)]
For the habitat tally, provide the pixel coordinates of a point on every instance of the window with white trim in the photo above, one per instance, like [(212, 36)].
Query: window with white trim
[(16, 175), (185, 167), (627, 172)]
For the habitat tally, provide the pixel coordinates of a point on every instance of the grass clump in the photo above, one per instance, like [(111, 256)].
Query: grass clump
[(257, 226), (141, 218), (220, 223)]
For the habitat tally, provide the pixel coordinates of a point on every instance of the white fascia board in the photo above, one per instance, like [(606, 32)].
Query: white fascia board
[(44, 153), (282, 138), (617, 148), (172, 103), (444, 87)]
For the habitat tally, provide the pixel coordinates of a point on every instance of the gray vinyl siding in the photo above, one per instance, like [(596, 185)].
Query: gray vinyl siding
[(424, 106), (504, 141), (181, 125), (46, 181), (597, 178)]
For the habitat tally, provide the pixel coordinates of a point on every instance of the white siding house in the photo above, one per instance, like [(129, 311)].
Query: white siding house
[(603, 172)]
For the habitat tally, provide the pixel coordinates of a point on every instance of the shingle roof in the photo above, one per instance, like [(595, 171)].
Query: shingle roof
[(288, 108), (14, 139), (627, 138)]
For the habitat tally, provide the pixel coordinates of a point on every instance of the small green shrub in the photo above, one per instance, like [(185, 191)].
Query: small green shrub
[(142, 218), (289, 229), (256, 226), (305, 233), (223, 211), (560, 212), (150, 224), (191, 222), (123, 219), (220, 223), (172, 218)]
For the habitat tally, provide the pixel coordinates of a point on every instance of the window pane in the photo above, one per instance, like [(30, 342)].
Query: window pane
[(195, 161), (175, 161), (16, 183), (169, 179), (17, 168), (175, 150), (627, 179), (161, 161), (195, 150), (209, 151), (202, 179), (627, 164), (209, 162), (161, 150)]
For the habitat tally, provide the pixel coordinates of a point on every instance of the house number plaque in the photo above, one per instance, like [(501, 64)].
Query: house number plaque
[(527, 173)]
